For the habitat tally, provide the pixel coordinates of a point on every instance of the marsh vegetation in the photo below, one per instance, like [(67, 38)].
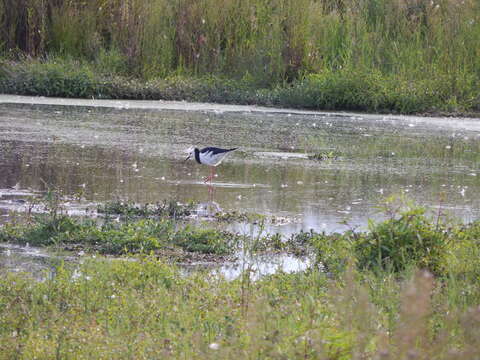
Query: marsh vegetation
[(402, 56), (403, 286), (363, 296)]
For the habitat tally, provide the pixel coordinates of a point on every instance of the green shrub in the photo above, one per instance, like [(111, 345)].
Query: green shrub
[(51, 78), (409, 239), (41, 232)]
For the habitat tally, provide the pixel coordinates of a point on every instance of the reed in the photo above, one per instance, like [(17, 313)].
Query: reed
[(429, 48)]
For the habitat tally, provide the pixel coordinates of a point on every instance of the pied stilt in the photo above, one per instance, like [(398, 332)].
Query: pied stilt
[(211, 156)]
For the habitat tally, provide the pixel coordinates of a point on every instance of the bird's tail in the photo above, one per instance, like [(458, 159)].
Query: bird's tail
[(232, 149)]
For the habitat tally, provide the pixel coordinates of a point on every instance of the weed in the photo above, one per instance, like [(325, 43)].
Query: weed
[(323, 156), (374, 55), (165, 209)]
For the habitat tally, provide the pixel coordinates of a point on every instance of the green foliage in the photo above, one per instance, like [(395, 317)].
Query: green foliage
[(340, 90), (410, 239), (50, 78), (374, 55), (167, 208), (407, 239), (139, 236), (367, 287), (107, 308), (207, 241), (323, 156)]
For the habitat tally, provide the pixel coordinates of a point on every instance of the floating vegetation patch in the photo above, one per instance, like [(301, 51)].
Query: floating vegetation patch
[(324, 156), (166, 208), (172, 209)]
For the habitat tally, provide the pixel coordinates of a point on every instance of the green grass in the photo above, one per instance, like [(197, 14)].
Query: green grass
[(139, 236), (375, 55), (363, 297), (165, 209), (146, 309), (354, 90)]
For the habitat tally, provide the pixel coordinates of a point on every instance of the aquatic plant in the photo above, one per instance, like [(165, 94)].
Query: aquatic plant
[(323, 156), (166, 208)]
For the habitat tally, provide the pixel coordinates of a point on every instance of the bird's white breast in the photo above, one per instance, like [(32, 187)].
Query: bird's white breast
[(209, 158)]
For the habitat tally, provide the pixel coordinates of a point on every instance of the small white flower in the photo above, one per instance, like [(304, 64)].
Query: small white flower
[(214, 346)]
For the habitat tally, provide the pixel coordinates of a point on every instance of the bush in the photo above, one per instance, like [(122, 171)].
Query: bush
[(410, 239)]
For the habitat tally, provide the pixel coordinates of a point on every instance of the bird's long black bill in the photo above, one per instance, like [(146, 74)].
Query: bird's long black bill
[(188, 157)]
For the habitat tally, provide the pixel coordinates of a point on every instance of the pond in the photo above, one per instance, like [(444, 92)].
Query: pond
[(135, 150)]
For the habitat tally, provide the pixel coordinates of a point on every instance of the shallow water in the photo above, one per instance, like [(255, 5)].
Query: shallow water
[(135, 151), (32, 260)]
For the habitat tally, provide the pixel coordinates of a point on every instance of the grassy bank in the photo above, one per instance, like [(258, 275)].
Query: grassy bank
[(363, 298), (375, 55), (345, 89)]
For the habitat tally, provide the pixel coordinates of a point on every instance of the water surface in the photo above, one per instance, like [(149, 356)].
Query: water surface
[(103, 150), (104, 153)]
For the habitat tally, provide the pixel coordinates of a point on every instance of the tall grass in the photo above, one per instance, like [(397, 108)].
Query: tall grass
[(375, 55), (272, 40)]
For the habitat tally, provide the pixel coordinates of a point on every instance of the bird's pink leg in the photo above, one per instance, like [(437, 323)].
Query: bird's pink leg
[(210, 177)]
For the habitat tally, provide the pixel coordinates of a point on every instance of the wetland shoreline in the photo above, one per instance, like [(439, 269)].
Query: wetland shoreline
[(352, 298)]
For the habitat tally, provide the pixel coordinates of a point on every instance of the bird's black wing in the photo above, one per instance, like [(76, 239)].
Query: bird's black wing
[(215, 150)]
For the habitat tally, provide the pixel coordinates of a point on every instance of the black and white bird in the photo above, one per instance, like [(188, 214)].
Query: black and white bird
[(211, 156)]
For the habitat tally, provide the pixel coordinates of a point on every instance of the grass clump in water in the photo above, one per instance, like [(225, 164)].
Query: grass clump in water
[(324, 156), (167, 208), (408, 238), (139, 236)]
